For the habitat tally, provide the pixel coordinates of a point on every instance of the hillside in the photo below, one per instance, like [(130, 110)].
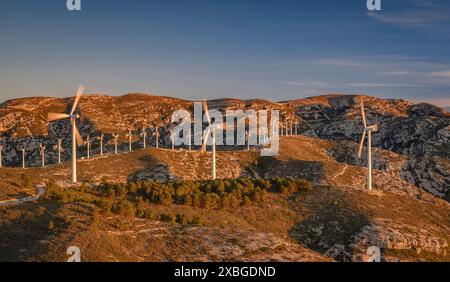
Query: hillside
[(335, 220), (417, 135)]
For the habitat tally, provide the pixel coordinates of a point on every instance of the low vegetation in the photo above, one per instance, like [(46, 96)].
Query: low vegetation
[(135, 199)]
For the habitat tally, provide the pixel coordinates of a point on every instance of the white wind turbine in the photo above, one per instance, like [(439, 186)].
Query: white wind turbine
[(144, 136), (367, 130), (130, 136), (42, 148), (76, 137), (1, 157), (88, 145), (101, 138), (247, 139), (116, 137), (190, 140), (172, 139), (23, 157), (211, 132), (156, 134), (58, 147)]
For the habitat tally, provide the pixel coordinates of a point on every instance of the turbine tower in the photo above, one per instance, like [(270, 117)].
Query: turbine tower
[(42, 148), (172, 139), (130, 136), (144, 136), (116, 137), (190, 141), (88, 145), (247, 139), (76, 137), (58, 147), (367, 130), (23, 157), (211, 132), (1, 157), (156, 134), (101, 138)]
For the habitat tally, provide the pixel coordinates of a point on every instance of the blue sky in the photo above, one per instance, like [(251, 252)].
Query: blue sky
[(274, 49)]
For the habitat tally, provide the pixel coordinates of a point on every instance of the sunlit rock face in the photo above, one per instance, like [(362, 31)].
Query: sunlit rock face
[(417, 134)]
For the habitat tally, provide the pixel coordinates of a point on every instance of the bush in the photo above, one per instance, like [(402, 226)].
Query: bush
[(167, 218), (224, 193), (65, 195), (182, 219), (198, 220), (105, 205), (125, 208)]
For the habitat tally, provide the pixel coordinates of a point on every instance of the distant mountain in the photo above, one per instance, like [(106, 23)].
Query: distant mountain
[(417, 132)]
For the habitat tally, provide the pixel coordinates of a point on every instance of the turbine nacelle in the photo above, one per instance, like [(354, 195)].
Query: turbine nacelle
[(372, 128)]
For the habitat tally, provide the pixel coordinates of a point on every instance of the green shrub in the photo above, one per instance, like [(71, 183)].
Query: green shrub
[(125, 208), (167, 218), (198, 220), (65, 195), (224, 193), (182, 219)]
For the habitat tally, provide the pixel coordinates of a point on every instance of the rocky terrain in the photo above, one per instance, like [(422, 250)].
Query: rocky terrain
[(338, 220), (415, 138), (407, 214)]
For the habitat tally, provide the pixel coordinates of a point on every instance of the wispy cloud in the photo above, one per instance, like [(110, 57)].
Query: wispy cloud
[(440, 102), (398, 73), (439, 74), (339, 62), (417, 14), (323, 84)]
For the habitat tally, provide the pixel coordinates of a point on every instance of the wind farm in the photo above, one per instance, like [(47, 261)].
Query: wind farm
[(224, 131), (320, 161)]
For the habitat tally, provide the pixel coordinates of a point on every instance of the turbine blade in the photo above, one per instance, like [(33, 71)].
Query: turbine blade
[(56, 116), (361, 144), (77, 98), (78, 136), (205, 139), (363, 113), (205, 106)]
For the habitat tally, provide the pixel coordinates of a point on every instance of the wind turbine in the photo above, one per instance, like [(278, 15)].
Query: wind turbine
[(76, 137), (88, 144), (58, 147), (156, 134), (211, 132), (367, 130), (101, 138), (42, 148), (23, 157), (130, 136), (144, 136), (247, 139), (190, 140), (1, 157), (172, 139), (116, 137)]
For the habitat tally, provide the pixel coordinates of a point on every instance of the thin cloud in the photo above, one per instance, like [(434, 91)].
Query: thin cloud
[(417, 14), (339, 62), (413, 18), (439, 74), (323, 84), (397, 73), (440, 102)]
